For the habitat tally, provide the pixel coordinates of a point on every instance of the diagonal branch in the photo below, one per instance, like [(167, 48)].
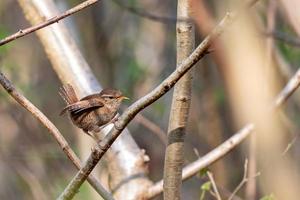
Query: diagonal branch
[(154, 128), (145, 101), (212, 180), (284, 37), (224, 148), (25, 103), (48, 22)]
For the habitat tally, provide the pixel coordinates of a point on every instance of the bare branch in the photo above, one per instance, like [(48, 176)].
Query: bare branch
[(174, 156), (250, 191), (284, 37), (211, 178), (145, 101), (289, 146), (162, 19), (244, 180), (220, 151), (25, 103), (143, 13), (48, 22), (288, 90), (152, 127), (208, 159), (142, 103)]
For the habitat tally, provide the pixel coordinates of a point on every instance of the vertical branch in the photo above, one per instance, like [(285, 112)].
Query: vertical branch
[(250, 192), (212, 180), (180, 107)]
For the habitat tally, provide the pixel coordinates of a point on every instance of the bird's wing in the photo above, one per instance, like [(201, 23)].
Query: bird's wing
[(91, 96), (81, 106)]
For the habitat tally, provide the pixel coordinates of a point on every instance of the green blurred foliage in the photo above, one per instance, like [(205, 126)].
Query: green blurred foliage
[(268, 197), (205, 187), (134, 73), (219, 96), (203, 172), (290, 52), (4, 48), (84, 192)]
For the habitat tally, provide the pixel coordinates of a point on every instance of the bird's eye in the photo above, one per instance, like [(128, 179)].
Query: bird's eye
[(108, 97)]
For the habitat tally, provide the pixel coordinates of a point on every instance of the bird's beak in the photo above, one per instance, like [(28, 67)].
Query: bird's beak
[(123, 97)]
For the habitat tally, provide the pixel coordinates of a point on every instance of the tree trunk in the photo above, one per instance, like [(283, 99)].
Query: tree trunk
[(180, 107)]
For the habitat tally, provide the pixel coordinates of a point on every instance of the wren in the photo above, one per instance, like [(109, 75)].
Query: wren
[(93, 111)]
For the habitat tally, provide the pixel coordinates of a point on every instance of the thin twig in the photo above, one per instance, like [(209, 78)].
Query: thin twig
[(244, 180), (284, 37), (25, 103), (208, 159), (213, 194), (48, 22), (288, 90), (145, 101), (250, 191), (289, 146), (145, 14), (154, 128), (211, 178), (224, 148)]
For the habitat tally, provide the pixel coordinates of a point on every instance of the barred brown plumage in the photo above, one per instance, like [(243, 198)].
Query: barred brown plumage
[(93, 111)]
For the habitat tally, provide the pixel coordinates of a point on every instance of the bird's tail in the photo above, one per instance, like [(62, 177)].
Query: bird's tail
[(68, 94)]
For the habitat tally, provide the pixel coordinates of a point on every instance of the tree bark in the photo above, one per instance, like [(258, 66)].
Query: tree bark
[(174, 158)]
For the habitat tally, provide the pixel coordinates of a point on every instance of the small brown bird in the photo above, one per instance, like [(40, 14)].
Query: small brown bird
[(93, 111)]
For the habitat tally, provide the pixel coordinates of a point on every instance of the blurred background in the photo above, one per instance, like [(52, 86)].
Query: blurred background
[(131, 45)]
